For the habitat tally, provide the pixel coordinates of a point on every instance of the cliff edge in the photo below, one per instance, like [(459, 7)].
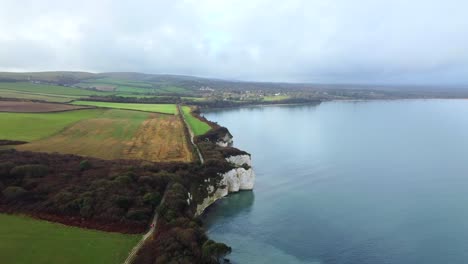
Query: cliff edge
[(241, 176)]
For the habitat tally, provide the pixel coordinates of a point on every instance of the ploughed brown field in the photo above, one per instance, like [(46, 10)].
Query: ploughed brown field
[(35, 107), (121, 134)]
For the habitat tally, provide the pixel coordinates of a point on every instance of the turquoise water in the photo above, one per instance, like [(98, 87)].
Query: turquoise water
[(349, 182)]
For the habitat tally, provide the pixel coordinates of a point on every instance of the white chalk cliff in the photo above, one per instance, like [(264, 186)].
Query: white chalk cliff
[(242, 177)]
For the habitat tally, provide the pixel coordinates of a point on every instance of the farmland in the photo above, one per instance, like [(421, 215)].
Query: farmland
[(120, 134), (47, 89), (34, 126), (198, 127), (27, 240), (35, 96), (274, 98), (157, 108), (29, 107), (44, 92)]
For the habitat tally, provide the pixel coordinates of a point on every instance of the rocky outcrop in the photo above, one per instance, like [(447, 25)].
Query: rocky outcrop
[(225, 141), (241, 177)]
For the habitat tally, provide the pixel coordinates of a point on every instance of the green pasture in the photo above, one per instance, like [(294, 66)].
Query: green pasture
[(34, 126), (198, 127), (26, 240), (158, 108)]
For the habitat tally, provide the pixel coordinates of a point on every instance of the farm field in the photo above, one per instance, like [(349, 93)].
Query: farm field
[(157, 108), (47, 89), (275, 98), (120, 134), (28, 107), (198, 127), (35, 96), (34, 126), (27, 240)]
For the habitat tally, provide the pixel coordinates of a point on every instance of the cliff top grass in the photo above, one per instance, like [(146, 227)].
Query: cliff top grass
[(156, 108), (27, 240), (198, 127)]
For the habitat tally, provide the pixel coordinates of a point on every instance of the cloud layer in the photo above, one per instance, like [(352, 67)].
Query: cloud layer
[(328, 41)]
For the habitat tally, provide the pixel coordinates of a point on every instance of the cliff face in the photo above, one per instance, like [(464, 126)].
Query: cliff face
[(241, 177)]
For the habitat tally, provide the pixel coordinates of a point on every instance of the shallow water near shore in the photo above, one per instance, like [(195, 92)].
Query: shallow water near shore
[(349, 182)]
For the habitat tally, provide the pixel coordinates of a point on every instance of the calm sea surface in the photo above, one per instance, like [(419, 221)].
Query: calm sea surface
[(349, 182)]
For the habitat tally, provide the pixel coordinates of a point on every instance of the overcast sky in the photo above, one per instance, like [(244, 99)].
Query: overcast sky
[(328, 41)]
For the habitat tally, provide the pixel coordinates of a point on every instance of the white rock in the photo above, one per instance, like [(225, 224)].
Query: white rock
[(240, 160)]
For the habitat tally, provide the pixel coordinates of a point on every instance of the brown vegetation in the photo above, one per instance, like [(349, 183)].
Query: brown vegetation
[(35, 107), (157, 138)]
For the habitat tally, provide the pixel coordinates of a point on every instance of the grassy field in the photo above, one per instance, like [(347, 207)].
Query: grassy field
[(44, 92), (120, 134), (157, 108), (198, 127), (118, 82), (34, 126), (26, 240), (275, 98), (47, 89)]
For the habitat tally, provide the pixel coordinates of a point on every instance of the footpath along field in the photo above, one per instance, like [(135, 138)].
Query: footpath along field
[(25, 240)]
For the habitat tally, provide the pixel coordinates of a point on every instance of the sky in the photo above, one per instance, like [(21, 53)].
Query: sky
[(321, 41)]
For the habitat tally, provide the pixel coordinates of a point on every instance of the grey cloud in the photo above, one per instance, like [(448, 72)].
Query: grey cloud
[(338, 41)]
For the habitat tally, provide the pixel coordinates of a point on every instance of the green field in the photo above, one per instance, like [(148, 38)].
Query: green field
[(33, 126), (118, 82), (26, 240), (173, 89), (275, 98), (157, 108), (198, 127)]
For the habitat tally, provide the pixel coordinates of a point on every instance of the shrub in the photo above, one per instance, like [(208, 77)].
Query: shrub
[(123, 179), (13, 192), (152, 199), (123, 202), (213, 252), (85, 165), (138, 214), (30, 170), (5, 168)]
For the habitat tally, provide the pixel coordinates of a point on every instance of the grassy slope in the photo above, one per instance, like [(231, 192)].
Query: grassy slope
[(198, 127), (157, 108), (33, 126), (27, 240)]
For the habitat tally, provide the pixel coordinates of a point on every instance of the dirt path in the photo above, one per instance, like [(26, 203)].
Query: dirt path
[(137, 247), (192, 135)]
